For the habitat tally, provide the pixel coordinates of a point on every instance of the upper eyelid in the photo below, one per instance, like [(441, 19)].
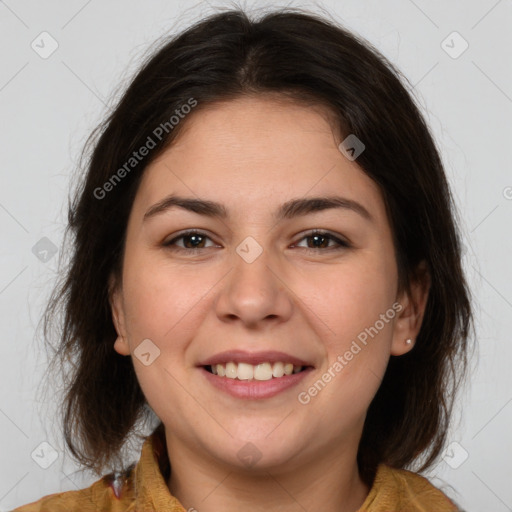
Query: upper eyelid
[(339, 239), (188, 232)]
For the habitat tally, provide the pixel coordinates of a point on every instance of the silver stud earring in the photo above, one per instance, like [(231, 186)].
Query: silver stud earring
[(408, 341)]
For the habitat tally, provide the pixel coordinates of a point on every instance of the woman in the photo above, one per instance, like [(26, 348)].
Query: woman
[(265, 257)]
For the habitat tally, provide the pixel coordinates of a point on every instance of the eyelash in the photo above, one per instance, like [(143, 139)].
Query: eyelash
[(342, 244)]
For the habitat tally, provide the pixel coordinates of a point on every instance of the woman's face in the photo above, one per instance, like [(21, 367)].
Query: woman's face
[(254, 279)]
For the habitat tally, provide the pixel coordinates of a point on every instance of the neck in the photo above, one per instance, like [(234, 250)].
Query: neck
[(329, 482)]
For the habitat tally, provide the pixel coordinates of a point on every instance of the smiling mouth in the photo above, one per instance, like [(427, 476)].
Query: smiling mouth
[(248, 372)]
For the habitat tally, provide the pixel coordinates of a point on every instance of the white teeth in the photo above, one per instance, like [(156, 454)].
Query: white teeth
[(231, 370), (262, 371), (278, 370), (245, 371)]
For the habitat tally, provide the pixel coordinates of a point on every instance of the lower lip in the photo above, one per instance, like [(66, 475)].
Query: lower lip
[(255, 389)]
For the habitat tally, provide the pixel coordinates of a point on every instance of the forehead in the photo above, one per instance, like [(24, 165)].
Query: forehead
[(257, 151), (244, 123)]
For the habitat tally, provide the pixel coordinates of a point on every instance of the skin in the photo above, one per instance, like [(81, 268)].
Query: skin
[(252, 155)]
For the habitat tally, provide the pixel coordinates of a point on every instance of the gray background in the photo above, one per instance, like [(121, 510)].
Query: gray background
[(49, 105)]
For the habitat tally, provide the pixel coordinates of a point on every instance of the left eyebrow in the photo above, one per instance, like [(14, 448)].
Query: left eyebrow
[(290, 209)]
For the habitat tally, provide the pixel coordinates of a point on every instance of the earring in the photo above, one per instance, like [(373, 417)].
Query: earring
[(408, 341)]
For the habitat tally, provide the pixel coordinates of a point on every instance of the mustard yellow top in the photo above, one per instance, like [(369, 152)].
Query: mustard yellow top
[(144, 489)]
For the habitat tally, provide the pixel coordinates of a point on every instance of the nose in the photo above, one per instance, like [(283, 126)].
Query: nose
[(255, 292)]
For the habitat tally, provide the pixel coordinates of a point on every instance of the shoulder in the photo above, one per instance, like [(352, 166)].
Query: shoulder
[(101, 495), (405, 491), (115, 492)]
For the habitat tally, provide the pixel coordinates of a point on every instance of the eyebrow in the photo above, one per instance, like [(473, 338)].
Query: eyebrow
[(290, 209)]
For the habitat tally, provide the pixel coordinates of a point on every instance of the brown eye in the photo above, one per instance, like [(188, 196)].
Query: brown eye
[(320, 240), (192, 241)]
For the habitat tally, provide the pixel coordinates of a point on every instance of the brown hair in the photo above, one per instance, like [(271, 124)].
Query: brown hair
[(307, 58)]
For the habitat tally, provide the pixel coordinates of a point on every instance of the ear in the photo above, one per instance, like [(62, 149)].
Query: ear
[(410, 317), (121, 345)]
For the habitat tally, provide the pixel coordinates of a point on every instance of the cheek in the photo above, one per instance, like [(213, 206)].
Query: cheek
[(161, 303), (350, 298), (161, 299), (357, 308), (355, 318)]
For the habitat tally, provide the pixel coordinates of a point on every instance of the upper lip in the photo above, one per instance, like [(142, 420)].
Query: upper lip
[(254, 358)]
